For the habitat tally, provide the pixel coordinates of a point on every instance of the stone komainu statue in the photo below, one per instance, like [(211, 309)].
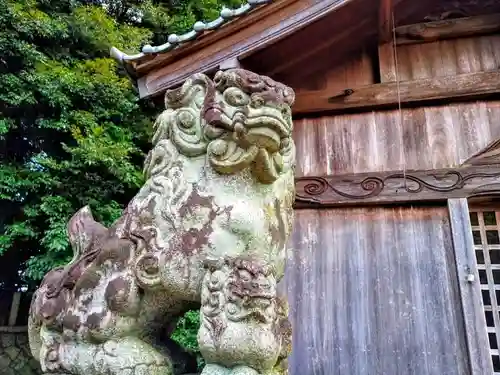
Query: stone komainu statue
[(208, 230)]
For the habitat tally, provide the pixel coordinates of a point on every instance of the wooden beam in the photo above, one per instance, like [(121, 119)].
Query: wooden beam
[(385, 29), (463, 86), (397, 187), (447, 29)]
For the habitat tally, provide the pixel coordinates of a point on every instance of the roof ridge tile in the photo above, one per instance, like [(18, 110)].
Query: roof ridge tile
[(174, 40)]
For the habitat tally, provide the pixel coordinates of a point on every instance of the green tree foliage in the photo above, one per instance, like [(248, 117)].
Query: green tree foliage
[(72, 131), (186, 333)]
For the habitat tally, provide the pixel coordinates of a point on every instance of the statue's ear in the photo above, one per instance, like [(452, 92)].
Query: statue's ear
[(195, 92), (182, 120), (82, 230)]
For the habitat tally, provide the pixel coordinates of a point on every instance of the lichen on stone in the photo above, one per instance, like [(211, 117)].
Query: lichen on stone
[(208, 228)]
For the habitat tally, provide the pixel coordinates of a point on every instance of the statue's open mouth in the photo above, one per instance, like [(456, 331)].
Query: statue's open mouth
[(266, 132), (264, 129)]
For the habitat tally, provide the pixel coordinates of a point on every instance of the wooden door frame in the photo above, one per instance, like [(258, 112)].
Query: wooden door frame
[(470, 292)]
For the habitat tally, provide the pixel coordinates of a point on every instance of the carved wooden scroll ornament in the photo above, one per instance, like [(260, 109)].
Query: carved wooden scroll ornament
[(403, 186)]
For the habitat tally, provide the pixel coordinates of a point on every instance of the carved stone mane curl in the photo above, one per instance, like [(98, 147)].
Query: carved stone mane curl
[(252, 83)]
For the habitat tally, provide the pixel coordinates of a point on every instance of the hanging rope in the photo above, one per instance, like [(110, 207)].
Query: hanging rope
[(396, 69)]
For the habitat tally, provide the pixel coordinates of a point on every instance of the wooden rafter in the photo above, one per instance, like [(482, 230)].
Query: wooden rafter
[(319, 47), (385, 20), (447, 29), (462, 86)]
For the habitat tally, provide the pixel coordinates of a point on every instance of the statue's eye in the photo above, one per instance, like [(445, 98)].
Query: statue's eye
[(235, 97), (245, 276), (257, 101)]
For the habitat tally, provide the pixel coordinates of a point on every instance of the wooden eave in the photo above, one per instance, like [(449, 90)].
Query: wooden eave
[(259, 29), (298, 41), (300, 32)]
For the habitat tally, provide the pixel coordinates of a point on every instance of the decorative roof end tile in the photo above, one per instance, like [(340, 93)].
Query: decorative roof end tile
[(174, 40)]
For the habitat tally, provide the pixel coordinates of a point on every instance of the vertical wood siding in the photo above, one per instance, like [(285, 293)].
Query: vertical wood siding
[(374, 291), (355, 72), (441, 58), (422, 138)]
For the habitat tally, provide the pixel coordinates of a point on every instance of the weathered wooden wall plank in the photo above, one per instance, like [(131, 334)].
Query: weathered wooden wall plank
[(421, 138), (440, 58), (358, 71), (470, 291), (373, 291)]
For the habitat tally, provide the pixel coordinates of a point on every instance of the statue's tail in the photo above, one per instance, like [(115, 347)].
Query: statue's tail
[(34, 328), (82, 231)]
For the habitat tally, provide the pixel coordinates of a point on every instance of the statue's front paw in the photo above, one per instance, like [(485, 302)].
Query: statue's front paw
[(213, 369), (243, 370), (151, 369)]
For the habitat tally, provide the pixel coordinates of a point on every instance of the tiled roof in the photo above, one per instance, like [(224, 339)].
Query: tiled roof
[(173, 40)]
